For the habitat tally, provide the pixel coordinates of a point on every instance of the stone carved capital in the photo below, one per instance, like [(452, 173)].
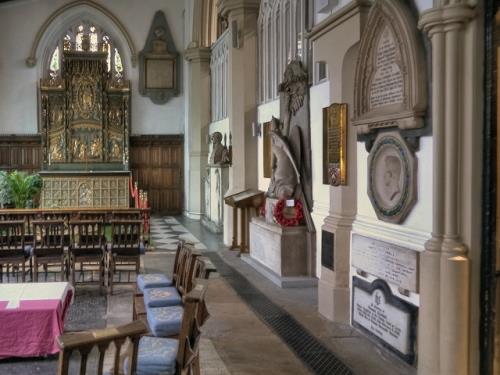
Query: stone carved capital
[(197, 54), (442, 19), (228, 6)]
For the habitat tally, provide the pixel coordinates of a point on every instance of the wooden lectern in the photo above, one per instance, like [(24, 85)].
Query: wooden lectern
[(244, 200)]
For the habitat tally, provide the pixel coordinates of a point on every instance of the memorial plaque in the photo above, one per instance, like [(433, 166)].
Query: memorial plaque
[(394, 264), (327, 249), (387, 86), (390, 82), (160, 73), (392, 321), (267, 150), (335, 144)]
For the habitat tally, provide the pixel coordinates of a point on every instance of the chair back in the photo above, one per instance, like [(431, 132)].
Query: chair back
[(84, 342), (126, 215), (203, 267), (126, 237), (190, 334), (87, 236), (12, 238), (92, 215), (23, 216), (48, 237)]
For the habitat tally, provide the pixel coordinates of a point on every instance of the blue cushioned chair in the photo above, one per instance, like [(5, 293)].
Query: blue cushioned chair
[(165, 321), (152, 280), (156, 356), (161, 297)]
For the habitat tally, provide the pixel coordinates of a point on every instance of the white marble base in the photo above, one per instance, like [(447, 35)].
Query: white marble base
[(281, 281), (280, 253)]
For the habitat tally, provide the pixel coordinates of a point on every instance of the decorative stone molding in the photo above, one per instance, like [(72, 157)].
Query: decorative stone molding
[(197, 54), (219, 68), (436, 19), (228, 6), (31, 60), (390, 81)]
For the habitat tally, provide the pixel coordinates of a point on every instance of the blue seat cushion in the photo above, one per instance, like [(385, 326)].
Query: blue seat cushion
[(156, 356), (165, 321), (142, 248), (28, 251), (152, 280), (161, 297)]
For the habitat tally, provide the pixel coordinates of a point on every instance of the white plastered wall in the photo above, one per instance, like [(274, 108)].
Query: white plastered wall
[(21, 20)]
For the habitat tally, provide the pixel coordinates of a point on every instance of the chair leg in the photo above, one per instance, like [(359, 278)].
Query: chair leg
[(72, 269), (35, 269), (23, 270)]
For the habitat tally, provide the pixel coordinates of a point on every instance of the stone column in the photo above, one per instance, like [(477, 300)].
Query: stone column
[(444, 277), (198, 118), (241, 96)]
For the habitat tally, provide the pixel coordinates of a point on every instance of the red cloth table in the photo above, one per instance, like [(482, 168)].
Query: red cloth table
[(31, 317)]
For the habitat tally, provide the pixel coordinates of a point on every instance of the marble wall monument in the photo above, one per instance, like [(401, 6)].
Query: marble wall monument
[(390, 320), (392, 177), (390, 81)]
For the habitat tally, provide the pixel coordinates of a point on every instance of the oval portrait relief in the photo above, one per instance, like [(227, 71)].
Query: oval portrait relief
[(392, 177)]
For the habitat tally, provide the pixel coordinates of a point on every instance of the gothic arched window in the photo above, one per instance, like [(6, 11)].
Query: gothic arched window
[(89, 37)]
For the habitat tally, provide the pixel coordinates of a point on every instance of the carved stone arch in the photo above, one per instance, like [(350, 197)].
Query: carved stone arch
[(390, 37), (53, 28)]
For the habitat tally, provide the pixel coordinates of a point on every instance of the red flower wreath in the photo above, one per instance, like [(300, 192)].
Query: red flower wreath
[(285, 221)]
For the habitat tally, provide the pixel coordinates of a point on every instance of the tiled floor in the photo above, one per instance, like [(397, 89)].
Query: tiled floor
[(167, 231)]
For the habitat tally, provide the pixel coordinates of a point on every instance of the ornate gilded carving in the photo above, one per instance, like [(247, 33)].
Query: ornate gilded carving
[(85, 118)]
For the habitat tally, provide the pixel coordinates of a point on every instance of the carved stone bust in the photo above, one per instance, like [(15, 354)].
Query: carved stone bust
[(220, 153)]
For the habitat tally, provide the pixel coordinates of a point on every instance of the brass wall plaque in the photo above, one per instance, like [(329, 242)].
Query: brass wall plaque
[(267, 149), (335, 144)]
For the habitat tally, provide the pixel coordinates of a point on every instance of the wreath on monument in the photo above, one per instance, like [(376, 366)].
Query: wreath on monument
[(285, 219)]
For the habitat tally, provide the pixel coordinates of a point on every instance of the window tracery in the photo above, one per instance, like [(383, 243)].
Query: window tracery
[(86, 37), (280, 32)]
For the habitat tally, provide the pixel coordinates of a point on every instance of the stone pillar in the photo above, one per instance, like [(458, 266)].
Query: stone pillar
[(445, 278), (241, 96), (198, 118)]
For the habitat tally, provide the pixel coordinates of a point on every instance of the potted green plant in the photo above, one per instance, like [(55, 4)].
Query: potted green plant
[(22, 188)]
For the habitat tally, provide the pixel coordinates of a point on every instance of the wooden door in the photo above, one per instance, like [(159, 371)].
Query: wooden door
[(157, 163)]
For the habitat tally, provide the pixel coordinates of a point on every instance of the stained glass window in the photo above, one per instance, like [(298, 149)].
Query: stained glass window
[(91, 37)]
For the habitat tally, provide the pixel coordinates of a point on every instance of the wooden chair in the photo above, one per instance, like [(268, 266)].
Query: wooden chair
[(60, 215), (87, 248), (186, 360), (12, 247), (27, 217), (48, 246), (84, 342), (125, 248)]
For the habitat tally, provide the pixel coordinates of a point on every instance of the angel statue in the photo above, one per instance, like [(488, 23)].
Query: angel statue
[(285, 174)]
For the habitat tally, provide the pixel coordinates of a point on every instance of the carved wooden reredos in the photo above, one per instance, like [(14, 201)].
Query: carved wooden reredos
[(85, 115)]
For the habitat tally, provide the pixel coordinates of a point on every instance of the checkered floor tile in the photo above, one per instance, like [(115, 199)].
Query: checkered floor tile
[(167, 231)]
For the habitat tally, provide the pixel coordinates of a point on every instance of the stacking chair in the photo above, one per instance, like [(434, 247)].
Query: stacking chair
[(166, 321), (48, 246), (172, 296), (87, 248), (159, 355), (12, 247), (125, 249)]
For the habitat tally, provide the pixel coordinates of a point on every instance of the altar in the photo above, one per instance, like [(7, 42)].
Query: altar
[(85, 128)]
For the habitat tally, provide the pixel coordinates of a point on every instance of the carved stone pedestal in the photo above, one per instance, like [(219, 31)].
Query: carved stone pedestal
[(280, 253), (216, 185)]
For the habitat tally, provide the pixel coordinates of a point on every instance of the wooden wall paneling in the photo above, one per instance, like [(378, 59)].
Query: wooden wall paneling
[(157, 163), (20, 152)]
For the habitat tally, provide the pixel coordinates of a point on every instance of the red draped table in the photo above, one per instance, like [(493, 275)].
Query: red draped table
[(31, 317)]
